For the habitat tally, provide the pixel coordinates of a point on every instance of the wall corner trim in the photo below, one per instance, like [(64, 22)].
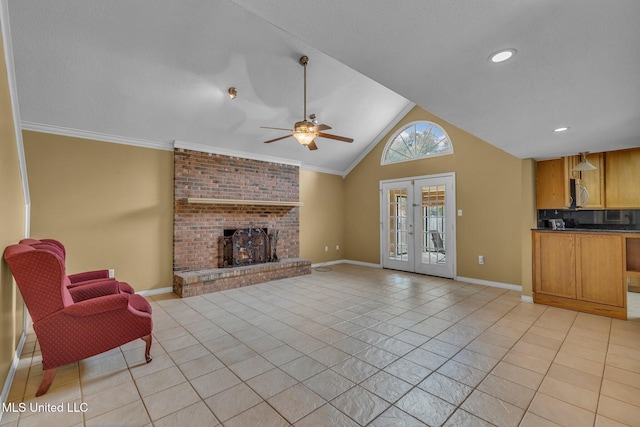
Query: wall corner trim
[(5, 28), (12, 371)]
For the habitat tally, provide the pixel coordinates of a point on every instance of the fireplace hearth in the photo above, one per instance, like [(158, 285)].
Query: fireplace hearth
[(246, 246)]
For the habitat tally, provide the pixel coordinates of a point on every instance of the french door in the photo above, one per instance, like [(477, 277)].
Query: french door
[(418, 225)]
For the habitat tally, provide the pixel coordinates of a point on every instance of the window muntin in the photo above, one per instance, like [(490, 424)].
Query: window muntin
[(417, 141)]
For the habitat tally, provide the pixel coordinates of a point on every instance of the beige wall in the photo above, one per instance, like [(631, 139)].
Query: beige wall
[(12, 225), (489, 189), (321, 217), (110, 204)]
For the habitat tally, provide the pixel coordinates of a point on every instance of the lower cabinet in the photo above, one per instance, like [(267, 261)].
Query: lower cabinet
[(580, 271)]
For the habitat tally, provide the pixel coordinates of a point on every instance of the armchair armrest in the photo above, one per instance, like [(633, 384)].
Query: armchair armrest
[(89, 275), (93, 289), (89, 282), (98, 305)]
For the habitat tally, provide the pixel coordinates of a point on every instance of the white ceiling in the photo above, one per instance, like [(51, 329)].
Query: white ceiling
[(158, 70)]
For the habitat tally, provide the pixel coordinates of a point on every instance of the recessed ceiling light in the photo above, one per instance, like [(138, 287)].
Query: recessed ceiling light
[(502, 55), (561, 129)]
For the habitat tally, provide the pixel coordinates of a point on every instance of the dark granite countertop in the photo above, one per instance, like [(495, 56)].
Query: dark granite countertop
[(589, 230)]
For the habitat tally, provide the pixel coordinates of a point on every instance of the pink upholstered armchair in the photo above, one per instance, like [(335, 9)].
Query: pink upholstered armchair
[(73, 328)]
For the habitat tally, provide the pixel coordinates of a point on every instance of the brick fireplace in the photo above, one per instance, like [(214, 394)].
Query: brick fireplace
[(214, 193)]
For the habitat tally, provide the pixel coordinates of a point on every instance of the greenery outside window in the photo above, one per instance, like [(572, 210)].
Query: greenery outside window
[(417, 141)]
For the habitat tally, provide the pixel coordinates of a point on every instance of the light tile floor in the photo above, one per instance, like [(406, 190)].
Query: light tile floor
[(347, 347)]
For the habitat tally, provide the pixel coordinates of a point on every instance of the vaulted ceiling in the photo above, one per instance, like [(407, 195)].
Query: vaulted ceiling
[(156, 71)]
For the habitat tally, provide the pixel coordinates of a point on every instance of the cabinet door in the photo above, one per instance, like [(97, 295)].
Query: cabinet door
[(599, 269), (622, 178), (551, 184), (555, 264)]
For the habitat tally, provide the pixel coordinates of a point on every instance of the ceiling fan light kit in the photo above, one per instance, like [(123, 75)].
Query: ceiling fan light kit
[(303, 131), (307, 131)]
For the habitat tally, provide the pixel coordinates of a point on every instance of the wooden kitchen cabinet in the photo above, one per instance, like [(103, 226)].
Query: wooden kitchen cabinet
[(552, 184), (622, 178), (553, 255), (599, 269), (553, 180), (614, 183), (580, 271)]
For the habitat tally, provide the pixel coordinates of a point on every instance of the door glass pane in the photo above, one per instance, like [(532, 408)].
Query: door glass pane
[(433, 236), (398, 224)]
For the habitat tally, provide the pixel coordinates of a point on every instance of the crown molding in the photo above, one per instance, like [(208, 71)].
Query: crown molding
[(233, 153), (322, 170), (95, 136), (167, 146), (381, 135)]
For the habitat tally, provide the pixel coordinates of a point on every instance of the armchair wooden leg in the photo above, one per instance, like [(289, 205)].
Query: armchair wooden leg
[(147, 350), (47, 378)]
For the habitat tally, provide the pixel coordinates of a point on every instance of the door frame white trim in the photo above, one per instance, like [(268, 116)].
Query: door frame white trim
[(454, 215)]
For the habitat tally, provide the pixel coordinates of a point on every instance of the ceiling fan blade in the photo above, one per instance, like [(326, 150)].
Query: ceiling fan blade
[(312, 146), (336, 137), (267, 127), (277, 139), (318, 128)]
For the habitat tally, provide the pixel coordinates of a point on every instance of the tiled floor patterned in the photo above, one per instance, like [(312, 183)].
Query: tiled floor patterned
[(353, 346)]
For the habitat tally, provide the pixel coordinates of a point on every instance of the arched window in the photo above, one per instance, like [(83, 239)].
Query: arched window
[(417, 141)]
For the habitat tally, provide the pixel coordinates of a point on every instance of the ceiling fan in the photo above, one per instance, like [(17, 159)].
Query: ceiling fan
[(306, 131)]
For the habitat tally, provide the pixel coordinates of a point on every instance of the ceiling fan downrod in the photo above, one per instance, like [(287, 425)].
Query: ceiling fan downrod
[(304, 60)]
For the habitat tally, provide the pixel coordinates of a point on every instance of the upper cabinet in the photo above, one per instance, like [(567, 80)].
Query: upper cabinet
[(622, 187), (552, 184), (614, 184)]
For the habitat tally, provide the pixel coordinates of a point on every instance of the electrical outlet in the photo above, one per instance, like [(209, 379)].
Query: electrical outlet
[(337, 247), (480, 259), (112, 273), (326, 248)]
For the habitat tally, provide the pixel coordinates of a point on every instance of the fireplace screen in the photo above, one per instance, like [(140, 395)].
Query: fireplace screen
[(246, 246)]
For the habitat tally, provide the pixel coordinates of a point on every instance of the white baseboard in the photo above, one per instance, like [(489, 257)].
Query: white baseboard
[(345, 261), (150, 292), (526, 298), (12, 371), (327, 263), (362, 264), (490, 283)]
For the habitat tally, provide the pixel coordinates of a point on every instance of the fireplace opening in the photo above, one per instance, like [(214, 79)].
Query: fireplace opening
[(246, 246)]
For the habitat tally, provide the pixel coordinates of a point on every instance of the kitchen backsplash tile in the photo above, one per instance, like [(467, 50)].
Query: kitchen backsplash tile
[(610, 219)]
